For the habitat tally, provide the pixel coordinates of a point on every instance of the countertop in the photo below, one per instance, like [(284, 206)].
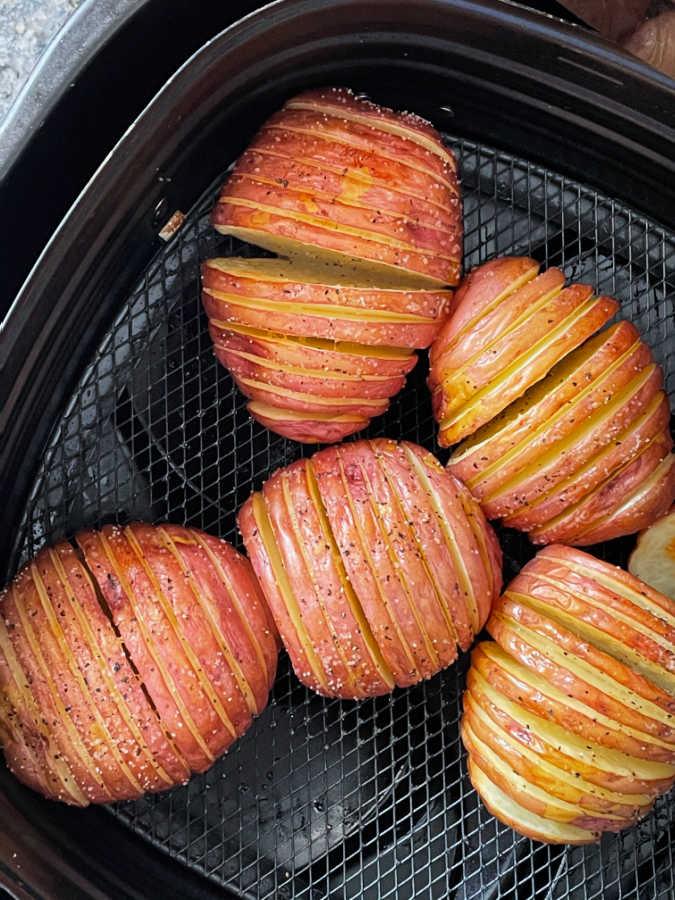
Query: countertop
[(26, 27)]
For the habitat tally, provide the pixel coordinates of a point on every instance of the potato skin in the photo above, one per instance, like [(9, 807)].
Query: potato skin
[(129, 661), (574, 697), (403, 545)]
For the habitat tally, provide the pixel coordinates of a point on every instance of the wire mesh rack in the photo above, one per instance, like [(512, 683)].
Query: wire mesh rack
[(325, 798)]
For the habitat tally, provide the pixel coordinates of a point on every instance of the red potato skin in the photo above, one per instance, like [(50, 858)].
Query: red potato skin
[(567, 423), (302, 355), (601, 503), (400, 531), (309, 404), (527, 801), (308, 429), (244, 692), (623, 582), (549, 708), (227, 707), (378, 533), (342, 102), (536, 835), (369, 138), (325, 324), (468, 463), (91, 785), (129, 691), (483, 347), (262, 567), (609, 445), (127, 610), (479, 412), (366, 676), (442, 270), (584, 587), (370, 222), (308, 383), (93, 706), (453, 497), (477, 292), (243, 590), (568, 682), (357, 164), (430, 304), (558, 786), (335, 678), (646, 508), (317, 181), (556, 598), (81, 729), (562, 716), (417, 509), (345, 520)]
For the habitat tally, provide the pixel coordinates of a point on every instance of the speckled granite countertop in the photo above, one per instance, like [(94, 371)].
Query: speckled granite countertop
[(26, 27)]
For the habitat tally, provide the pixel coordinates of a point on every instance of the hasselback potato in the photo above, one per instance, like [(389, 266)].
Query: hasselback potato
[(129, 660)]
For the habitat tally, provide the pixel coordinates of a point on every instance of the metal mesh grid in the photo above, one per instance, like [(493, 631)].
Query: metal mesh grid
[(328, 798)]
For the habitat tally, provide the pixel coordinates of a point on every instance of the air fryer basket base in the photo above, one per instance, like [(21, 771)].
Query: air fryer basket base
[(326, 798)]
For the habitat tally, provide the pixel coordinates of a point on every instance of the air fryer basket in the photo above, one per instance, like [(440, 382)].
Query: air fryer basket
[(328, 798)]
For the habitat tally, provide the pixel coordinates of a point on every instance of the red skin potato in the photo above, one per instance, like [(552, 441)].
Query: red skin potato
[(323, 384), (328, 326), (552, 707), (264, 570), (587, 589), (619, 580), (99, 704), (309, 404), (243, 591), (417, 508), (171, 767), (349, 530), (239, 667), (370, 138), (153, 645), (563, 784), (611, 442), (401, 534), (554, 598), (570, 683), (492, 330), (603, 502), (377, 529), (483, 585), (539, 830), (350, 188), (371, 677), (308, 428), (61, 724), (647, 504), (343, 103), (335, 679), (423, 303), (548, 810), (314, 355), (228, 712), (36, 749), (441, 270), (360, 165), (369, 222), (477, 294), (494, 398), (557, 402)]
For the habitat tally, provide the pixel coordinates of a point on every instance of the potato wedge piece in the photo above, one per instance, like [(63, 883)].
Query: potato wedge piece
[(653, 559)]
